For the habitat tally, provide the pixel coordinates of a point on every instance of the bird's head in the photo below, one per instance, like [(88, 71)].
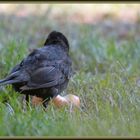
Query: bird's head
[(57, 38)]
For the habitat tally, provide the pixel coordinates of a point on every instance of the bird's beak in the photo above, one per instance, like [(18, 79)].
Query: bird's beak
[(69, 99)]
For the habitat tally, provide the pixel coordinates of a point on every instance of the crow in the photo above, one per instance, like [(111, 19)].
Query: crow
[(45, 73)]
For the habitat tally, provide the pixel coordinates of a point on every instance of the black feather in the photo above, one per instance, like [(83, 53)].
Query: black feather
[(46, 71)]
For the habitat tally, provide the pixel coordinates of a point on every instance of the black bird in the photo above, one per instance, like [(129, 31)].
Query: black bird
[(45, 72)]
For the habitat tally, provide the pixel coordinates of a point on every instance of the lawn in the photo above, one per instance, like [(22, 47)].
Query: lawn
[(106, 60)]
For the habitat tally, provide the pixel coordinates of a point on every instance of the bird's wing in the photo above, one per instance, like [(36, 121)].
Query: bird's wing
[(44, 77)]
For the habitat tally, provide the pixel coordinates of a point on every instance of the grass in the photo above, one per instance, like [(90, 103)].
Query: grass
[(106, 80)]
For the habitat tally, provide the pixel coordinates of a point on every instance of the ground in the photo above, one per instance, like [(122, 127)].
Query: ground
[(104, 47)]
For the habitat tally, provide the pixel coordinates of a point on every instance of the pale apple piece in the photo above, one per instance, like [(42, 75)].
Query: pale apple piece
[(36, 101), (69, 99)]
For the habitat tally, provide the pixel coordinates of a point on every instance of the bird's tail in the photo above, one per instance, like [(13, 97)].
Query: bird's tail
[(5, 82), (11, 79)]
